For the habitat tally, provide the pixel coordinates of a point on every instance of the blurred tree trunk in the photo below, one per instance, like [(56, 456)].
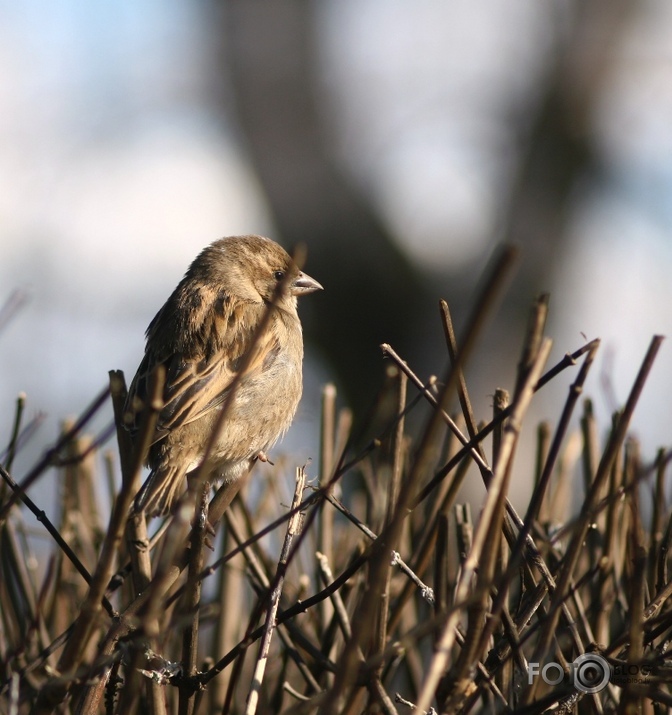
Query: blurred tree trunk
[(372, 295), (370, 288), (557, 167), (557, 151)]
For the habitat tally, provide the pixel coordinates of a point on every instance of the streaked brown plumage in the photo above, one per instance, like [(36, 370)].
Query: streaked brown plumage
[(201, 336)]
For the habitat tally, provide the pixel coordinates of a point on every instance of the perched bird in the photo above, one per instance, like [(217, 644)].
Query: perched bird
[(207, 332)]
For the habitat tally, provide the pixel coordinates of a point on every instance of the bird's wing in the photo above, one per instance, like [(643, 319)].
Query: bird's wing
[(199, 379), (193, 387)]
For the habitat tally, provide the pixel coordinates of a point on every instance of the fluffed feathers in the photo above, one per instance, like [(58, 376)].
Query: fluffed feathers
[(203, 336)]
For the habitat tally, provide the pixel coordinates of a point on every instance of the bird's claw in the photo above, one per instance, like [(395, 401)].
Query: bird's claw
[(263, 458)]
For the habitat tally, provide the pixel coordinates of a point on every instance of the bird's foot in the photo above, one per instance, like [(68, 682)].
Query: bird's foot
[(263, 458)]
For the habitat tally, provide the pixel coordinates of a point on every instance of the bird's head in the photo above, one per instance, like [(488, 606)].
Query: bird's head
[(256, 269)]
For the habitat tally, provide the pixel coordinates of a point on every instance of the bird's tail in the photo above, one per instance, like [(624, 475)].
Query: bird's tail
[(160, 491)]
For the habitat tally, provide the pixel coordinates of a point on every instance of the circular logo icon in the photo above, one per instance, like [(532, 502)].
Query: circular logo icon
[(591, 673)]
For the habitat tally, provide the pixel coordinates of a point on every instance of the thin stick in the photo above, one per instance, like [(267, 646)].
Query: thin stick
[(16, 429), (54, 533), (587, 513), (292, 636), (447, 638), (462, 393), (52, 454), (85, 624), (393, 492), (191, 601), (293, 528), (542, 485), (467, 449), (327, 431), (425, 591)]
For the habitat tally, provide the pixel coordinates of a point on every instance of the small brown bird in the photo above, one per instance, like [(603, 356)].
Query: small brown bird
[(204, 335)]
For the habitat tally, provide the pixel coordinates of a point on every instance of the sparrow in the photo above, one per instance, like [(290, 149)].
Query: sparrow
[(229, 338)]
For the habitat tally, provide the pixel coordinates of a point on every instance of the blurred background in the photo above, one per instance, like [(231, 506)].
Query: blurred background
[(400, 142)]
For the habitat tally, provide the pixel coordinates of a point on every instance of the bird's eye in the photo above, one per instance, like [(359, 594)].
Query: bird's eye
[(279, 275)]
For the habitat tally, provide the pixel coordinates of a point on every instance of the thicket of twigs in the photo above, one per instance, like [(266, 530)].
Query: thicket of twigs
[(375, 591)]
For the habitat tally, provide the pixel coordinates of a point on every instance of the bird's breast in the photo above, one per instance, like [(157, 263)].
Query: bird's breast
[(265, 400)]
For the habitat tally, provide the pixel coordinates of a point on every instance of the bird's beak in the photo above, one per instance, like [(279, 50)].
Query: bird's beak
[(304, 284)]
